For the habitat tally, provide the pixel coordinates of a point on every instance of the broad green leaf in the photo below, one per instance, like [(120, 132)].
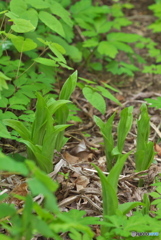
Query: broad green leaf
[(18, 6), (38, 4), (22, 25), (19, 127), (107, 48), (123, 47), (68, 87), (45, 61), (93, 42), (52, 22), (18, 99), (124, 126), (57, 9), (22, 44), (95, 99), (123, 37), (107, 94), (10, 165), (31, 15), (3, 131)]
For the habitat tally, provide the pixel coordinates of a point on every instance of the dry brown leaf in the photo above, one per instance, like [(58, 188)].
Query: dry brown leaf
[(81, 182), (81, 147), (70, 158), (157, 148)]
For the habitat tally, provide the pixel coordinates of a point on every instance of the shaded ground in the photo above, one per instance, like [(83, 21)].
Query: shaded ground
[(79, 184)]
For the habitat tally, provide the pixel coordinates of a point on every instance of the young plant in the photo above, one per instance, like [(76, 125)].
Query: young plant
[(144, 155), (43, 137), (123, 129), (109, 194)]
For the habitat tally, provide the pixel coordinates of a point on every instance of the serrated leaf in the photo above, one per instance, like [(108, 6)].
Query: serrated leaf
[(123, 37), (95, 99), (57, 9), (107, 94), (107, 48), (52, 22)]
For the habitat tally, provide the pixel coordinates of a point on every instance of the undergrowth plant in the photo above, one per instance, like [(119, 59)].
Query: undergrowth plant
[(43, 136), (144, 155), (115, 223), (113, 151)]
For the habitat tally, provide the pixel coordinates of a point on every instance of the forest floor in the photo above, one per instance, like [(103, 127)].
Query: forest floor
[(80, 187)]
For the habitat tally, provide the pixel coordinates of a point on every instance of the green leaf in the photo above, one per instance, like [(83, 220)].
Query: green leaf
[(108, 95), (3, 131), (124, 126), (3, 79), (58, 50), (6, 210), (31, 15), (4, 237), (123, 47), (128, 206), (57, 9), (42, 177), (123, 37), (22, 44), (45, 61), (95, 99), (116, 170), (38, 4), (19, 127), (10, 165), (68, 86), (54, 105), (106, 131), (27, 219), (110, 201), (18, 6), (107, 48), (156, 103), (22, 25), (51, 22)]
